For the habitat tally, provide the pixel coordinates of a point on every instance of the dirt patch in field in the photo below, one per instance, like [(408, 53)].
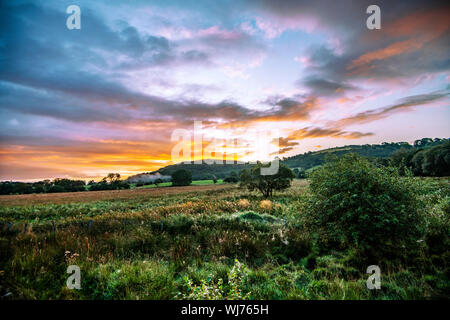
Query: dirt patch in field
[(88, 196)]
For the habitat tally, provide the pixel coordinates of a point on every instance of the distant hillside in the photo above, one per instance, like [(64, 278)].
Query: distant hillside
[(205, 171), (305, 161), (311, 159), (384, 150)]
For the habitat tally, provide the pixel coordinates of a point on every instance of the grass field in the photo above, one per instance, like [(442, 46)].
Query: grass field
[(194, 183), (163, 243)]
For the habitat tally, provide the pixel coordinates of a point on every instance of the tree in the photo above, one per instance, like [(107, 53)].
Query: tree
[(112, 177), (214, 179), (231, 179), (56, 188), (301, 174), (402, 157), (436, 161), (423, 142), (181, 177), (158, 181), (266, 184), (69, 185)]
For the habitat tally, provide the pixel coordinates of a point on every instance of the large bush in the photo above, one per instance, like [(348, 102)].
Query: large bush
[(356, 204)]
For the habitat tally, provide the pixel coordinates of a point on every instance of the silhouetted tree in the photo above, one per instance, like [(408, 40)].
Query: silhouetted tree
[(266, 184)]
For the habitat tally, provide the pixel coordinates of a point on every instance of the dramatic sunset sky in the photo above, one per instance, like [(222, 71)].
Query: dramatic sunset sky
[(106, 98)]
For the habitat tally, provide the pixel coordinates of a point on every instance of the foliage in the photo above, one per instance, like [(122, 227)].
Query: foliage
[(312, 159), (300, 173), (266, 184), (429, 161), (204, 170), (232, 178), (110, 182), (111, 178), (353, 203), (57, 185), (181, 177), (210, 290)]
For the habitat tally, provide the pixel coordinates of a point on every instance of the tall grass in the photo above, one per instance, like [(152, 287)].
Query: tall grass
[(146, 248)]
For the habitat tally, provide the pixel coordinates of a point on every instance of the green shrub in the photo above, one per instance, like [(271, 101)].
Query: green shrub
[(210, 290), (437, 236), (355, 204)]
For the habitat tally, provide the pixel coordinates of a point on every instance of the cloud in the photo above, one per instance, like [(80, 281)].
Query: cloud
[(413, 40), (110, 93), (324, 87), (287, 144), (284, 142), (282, 151), (309, 132), (404, 104)]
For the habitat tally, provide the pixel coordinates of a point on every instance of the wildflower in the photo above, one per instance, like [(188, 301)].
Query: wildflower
[(243, 203), (266, 205)]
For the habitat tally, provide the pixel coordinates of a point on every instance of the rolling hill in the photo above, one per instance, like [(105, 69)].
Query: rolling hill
[(304, 161)]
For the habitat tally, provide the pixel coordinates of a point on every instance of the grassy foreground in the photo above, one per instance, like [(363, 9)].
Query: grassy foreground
[(195, 242)]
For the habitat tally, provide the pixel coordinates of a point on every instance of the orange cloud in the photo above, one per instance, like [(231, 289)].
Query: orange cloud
[(390, 51), (290, 141)]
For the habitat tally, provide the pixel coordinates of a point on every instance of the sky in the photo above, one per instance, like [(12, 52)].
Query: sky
[(109, 96)]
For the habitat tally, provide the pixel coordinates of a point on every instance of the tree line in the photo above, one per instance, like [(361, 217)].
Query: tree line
[(110, 182), (424, 161)]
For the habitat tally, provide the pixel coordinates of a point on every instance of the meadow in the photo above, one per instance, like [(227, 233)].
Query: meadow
[(169, 184), (197, 242)]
